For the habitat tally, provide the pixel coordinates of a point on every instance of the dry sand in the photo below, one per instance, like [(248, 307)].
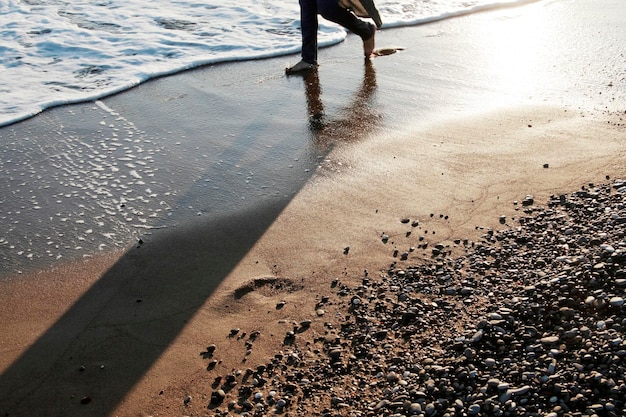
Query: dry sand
[(123, 333)]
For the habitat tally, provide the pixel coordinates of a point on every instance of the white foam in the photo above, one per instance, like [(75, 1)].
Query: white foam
[(67, 51)]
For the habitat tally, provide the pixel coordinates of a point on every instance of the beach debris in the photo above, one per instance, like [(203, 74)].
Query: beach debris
[(208, 353), (211, 365), (187, 400), (346, 250), (530, 321), (217, 397), (528, 201)]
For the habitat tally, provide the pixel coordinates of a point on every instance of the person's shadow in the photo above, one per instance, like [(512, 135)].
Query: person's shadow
[(352, 122), (94, 355)]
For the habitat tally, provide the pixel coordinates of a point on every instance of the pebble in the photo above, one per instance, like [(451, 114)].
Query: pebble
[(473, 409), (217, 397), (490, 362), (549, 340), (528, 322)]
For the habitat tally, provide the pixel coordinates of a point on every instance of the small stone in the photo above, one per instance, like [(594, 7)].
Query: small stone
[(381, 405), (490, 362), (528, 201), (493, 382), (503, 386), (217, 397), (616, 301), (477, 336), (607, 248), (520, 391), (335, 354), (549, 340), (392, 377), (473, 409)]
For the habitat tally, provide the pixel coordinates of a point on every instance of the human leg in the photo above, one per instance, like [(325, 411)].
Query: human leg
[(370, 43), (330, 10), (308, 27)]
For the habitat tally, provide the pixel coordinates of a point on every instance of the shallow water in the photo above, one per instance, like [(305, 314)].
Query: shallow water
[(81, 179), (59, 51)]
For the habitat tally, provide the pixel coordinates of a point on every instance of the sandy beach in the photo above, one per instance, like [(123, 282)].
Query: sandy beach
[(282, 191)]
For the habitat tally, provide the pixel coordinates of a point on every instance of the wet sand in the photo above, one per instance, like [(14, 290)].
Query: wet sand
[(449, 132)]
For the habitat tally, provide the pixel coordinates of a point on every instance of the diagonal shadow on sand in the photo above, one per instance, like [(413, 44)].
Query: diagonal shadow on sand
[(106, 342)]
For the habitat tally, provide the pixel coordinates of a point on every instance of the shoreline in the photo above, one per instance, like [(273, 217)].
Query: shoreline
[(129, 335), (292, 262), (284, 51), (269, 149)]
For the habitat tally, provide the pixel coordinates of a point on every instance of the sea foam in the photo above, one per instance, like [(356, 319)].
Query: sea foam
[(60, 51)]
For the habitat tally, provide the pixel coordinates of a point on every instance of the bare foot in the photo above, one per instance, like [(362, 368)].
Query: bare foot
[(369, 44), (299, 67)]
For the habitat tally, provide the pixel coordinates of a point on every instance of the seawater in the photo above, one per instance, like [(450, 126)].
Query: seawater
[(101, 177), (55, 52)]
